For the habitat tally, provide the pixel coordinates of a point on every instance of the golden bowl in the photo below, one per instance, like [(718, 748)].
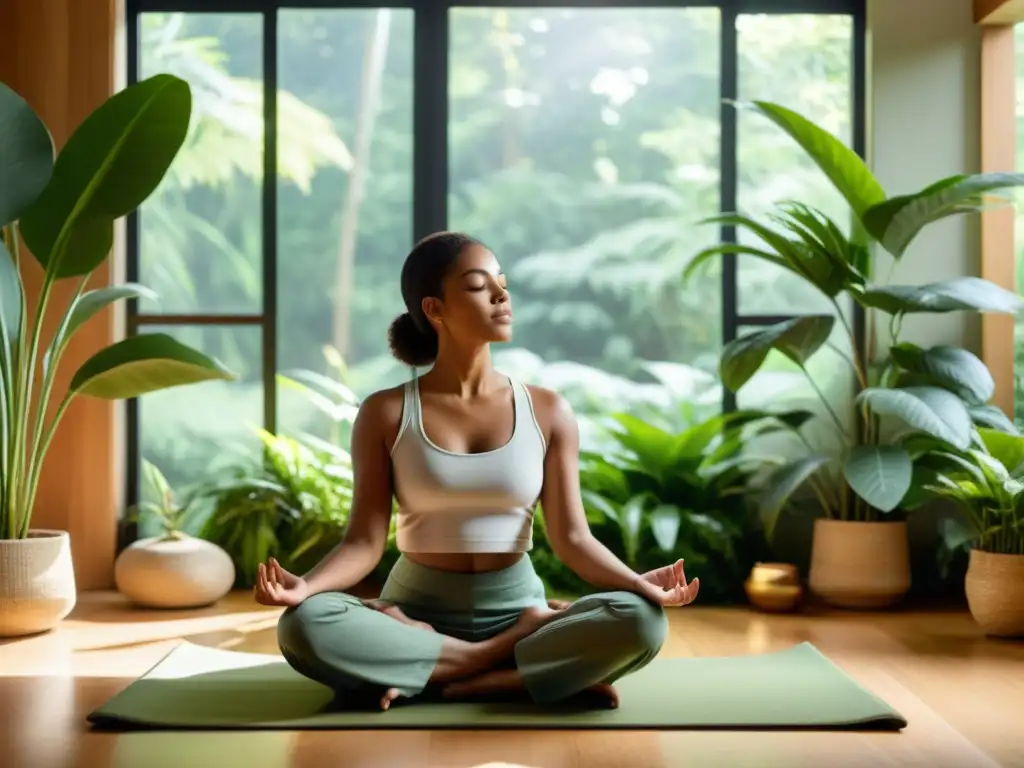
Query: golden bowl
[(773, 598)]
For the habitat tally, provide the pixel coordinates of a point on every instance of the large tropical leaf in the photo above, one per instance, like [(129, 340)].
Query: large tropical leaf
[(26, 155), (932, 410), (993, 417), (108, 167), (954, 368), (783, 483), (879, 474), (958, 294), (145, 363), (843, 167), (1008, 450), (797, 339), (665, 521), (897, 221), (11, 307)]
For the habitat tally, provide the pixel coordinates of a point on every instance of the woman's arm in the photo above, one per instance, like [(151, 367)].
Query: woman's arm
[(564, 517), (365, 538)]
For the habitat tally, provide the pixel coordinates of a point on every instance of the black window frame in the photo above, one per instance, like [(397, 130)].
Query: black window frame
[(430, 153)]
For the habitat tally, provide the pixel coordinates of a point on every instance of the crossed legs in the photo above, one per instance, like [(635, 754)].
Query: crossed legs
[(361, 652)]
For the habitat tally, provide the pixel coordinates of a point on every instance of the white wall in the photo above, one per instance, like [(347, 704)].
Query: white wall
[(923, 102)]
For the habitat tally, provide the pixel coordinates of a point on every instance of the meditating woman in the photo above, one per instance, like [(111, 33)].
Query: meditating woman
[(467, 453)]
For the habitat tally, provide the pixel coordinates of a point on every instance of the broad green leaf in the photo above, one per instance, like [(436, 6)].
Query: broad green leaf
[(91, 303), (896, 222), (928, 409), (26, 155), (11, 306), (958, 294), (719, 250), (664, 521), (1008, 450), (145, 363), (956, 532), (951, 367), (108, 167), (879, 474), (646, 441), (798, 339), (789, 254), (598, 503), (843, 167), (784, 483), (993, 417)]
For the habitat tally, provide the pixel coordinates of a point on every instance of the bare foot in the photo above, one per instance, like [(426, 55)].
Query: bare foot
[(389, 696), (508, 684)]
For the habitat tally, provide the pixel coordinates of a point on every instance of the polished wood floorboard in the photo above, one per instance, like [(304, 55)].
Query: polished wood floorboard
[(962, 693)]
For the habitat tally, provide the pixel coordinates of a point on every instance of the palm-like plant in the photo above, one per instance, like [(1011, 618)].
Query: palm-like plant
[(941, 392), (64, 211)]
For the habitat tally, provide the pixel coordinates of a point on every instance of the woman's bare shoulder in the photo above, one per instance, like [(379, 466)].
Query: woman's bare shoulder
[(381, 412), (553, 411)]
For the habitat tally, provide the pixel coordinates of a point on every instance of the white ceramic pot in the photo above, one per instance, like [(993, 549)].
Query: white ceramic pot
[(995, 592), (860, 565), (174, 572), (37, 582)]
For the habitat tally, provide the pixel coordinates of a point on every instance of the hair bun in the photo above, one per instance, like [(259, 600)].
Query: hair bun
[(409, 344)]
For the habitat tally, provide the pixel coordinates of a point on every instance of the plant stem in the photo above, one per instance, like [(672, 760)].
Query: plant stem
[(33, 485), (824, 401), (57, 347), (855, 361)]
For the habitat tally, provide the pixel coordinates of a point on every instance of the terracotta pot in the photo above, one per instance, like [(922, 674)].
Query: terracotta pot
[(860, 565), (995, 592), (37, 582), (181, 572)]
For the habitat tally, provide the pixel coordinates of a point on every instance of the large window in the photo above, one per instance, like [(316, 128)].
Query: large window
[(582, 144)]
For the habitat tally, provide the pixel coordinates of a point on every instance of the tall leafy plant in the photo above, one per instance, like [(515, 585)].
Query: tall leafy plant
[(662, 494), (941, 392), (64, 211), (986, 483)]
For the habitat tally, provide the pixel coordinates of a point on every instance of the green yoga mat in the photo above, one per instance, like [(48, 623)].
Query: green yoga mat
[(196, 687)]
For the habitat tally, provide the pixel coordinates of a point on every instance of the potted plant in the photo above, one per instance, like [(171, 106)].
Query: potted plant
[(172, 569), (63, 210), (859, 554), (986, 483)]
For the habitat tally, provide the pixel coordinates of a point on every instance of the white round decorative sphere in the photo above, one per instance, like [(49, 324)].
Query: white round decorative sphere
[(174, 572)]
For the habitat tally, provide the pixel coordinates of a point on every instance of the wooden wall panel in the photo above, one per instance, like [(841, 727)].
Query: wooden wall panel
[(59, 55), (998, 153), (998, 11)]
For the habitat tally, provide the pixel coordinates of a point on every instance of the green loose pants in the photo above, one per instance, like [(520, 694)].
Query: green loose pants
[(335, 639)]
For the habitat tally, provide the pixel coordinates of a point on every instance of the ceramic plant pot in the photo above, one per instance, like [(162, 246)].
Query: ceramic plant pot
[(860, 565), (995, 592), (178, 571), (37, 582)]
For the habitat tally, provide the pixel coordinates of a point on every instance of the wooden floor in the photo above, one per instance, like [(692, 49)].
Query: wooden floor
[(963, 695)]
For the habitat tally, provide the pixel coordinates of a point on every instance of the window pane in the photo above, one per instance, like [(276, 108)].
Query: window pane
[(583, 149), (189, 432), (803, 62), (200, 243), (344, 195)]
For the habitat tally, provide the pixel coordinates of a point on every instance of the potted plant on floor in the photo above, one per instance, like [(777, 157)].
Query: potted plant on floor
[(63, 210), (860, 553), (172, 568), (986, 484)]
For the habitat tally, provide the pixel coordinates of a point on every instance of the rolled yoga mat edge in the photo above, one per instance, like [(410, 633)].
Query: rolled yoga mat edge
[(195, 687)]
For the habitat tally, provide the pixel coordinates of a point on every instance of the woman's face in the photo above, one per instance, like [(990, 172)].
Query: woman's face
[(476, 307)]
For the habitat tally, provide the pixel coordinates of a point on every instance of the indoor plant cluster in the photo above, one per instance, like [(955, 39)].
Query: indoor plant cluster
[(910, 405), (62, 208)]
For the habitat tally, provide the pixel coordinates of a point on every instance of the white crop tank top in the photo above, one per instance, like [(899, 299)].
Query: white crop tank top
[(467, 502)]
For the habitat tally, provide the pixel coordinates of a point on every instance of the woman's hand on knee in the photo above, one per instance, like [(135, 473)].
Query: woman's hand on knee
[(276, 586)]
